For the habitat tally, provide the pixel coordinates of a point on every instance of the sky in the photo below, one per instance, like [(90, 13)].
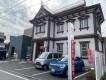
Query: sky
[(15, 14)]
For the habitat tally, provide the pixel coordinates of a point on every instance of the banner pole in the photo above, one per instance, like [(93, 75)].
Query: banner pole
[(70, 38)]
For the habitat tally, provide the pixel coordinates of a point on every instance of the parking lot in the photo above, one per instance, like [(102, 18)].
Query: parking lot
[(28, 71)]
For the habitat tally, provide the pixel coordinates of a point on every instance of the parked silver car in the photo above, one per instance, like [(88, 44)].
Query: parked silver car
[(45, 58)]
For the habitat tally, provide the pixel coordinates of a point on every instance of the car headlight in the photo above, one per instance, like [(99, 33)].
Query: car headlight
[(62, 65), (42, 63)]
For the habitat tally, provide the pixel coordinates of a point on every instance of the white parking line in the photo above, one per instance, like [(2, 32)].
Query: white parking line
[(24, 68), (22, 62), (80, 75), (40, 73), (4, 61), (13, 75)]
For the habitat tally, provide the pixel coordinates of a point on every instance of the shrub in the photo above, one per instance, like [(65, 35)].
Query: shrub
[(103, 77), (90, 75)]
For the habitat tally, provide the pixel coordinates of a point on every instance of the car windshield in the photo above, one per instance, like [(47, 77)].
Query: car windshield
[(65, 59), (43, 55)]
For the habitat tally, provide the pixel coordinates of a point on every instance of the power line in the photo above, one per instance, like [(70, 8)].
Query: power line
[(27, 8), (24, 8), (34, 5), (20, 21), (14, 6)]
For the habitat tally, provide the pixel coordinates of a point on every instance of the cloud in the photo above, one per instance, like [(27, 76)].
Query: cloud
[(18, 18)]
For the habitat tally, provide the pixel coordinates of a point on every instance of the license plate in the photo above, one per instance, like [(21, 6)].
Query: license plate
[(53, 70)]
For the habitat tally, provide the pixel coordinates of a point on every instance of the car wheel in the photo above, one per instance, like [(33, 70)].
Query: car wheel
[(45, 67)]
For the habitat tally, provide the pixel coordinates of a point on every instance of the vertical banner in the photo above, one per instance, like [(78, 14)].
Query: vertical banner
[(91, 56), (71, 52), (73, 57)]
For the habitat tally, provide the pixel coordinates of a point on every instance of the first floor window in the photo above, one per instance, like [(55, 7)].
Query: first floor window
[(60, 47), (83, 48)]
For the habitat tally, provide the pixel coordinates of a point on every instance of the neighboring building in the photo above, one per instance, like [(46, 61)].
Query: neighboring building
[(51, 29), (2, 46), (2, 37), (21, 45), (28, 32)]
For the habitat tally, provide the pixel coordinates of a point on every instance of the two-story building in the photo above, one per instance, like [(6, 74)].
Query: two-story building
[(50, 29)]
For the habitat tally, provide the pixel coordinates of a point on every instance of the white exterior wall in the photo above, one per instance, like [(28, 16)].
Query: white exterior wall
[(100, 45), (64, 34), (77, 48), (51, 47), (51, 29), (77, 45), (77, 26), (41, 35), (65, 51), (85, 31)]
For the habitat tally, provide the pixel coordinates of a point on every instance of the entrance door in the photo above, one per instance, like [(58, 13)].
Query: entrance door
[(39, 48)]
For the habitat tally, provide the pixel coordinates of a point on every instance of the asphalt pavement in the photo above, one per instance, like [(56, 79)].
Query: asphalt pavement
[(4, 75), (11, 70), (25, 71)]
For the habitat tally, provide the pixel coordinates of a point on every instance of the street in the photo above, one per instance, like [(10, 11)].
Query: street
[(10, 70)]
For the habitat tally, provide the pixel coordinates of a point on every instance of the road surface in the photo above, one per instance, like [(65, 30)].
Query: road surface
[(4, 75)]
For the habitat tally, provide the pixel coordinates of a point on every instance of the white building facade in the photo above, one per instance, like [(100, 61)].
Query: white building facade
[(50, 30)]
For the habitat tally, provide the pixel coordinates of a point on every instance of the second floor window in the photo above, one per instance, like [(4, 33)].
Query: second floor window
[(84, 22), (40, 29), (60, 27)]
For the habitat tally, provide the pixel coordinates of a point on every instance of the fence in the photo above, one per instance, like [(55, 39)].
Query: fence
[(99, 65)]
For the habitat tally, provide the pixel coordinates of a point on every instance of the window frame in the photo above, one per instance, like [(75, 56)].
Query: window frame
[(84, 22), (87, 43), (40, 26), (60, 27), (60, 45)]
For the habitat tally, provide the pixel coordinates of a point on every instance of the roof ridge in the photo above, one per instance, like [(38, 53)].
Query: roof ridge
[(48, 9), (74, 5)]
